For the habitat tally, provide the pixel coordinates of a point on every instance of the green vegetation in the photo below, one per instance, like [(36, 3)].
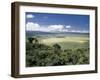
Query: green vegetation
[(56, 51)]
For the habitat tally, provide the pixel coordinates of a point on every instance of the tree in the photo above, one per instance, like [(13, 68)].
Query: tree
[(57, 46), (30, 39), (57, 49)]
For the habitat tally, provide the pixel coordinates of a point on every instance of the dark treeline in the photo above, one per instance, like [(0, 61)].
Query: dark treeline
[(38, 54)]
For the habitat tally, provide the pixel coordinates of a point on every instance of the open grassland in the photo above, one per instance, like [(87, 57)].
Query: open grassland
[(67, 42)]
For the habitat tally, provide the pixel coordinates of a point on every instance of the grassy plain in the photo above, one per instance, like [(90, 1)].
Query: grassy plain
[(67, 42)]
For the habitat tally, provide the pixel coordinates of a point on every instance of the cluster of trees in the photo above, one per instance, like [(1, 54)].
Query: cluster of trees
[(38, 54)]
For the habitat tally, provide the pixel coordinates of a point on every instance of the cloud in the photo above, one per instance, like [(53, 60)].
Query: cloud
[(56, 27), (31, 26), (68, 26), (30, 16), (80, 31)]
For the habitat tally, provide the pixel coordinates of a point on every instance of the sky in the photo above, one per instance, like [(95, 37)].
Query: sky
[(51, 22)]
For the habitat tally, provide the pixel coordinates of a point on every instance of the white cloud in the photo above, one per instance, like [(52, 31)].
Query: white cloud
[(30, 16), (31, 26), (68, 26), (56, 27), (80, 31)]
